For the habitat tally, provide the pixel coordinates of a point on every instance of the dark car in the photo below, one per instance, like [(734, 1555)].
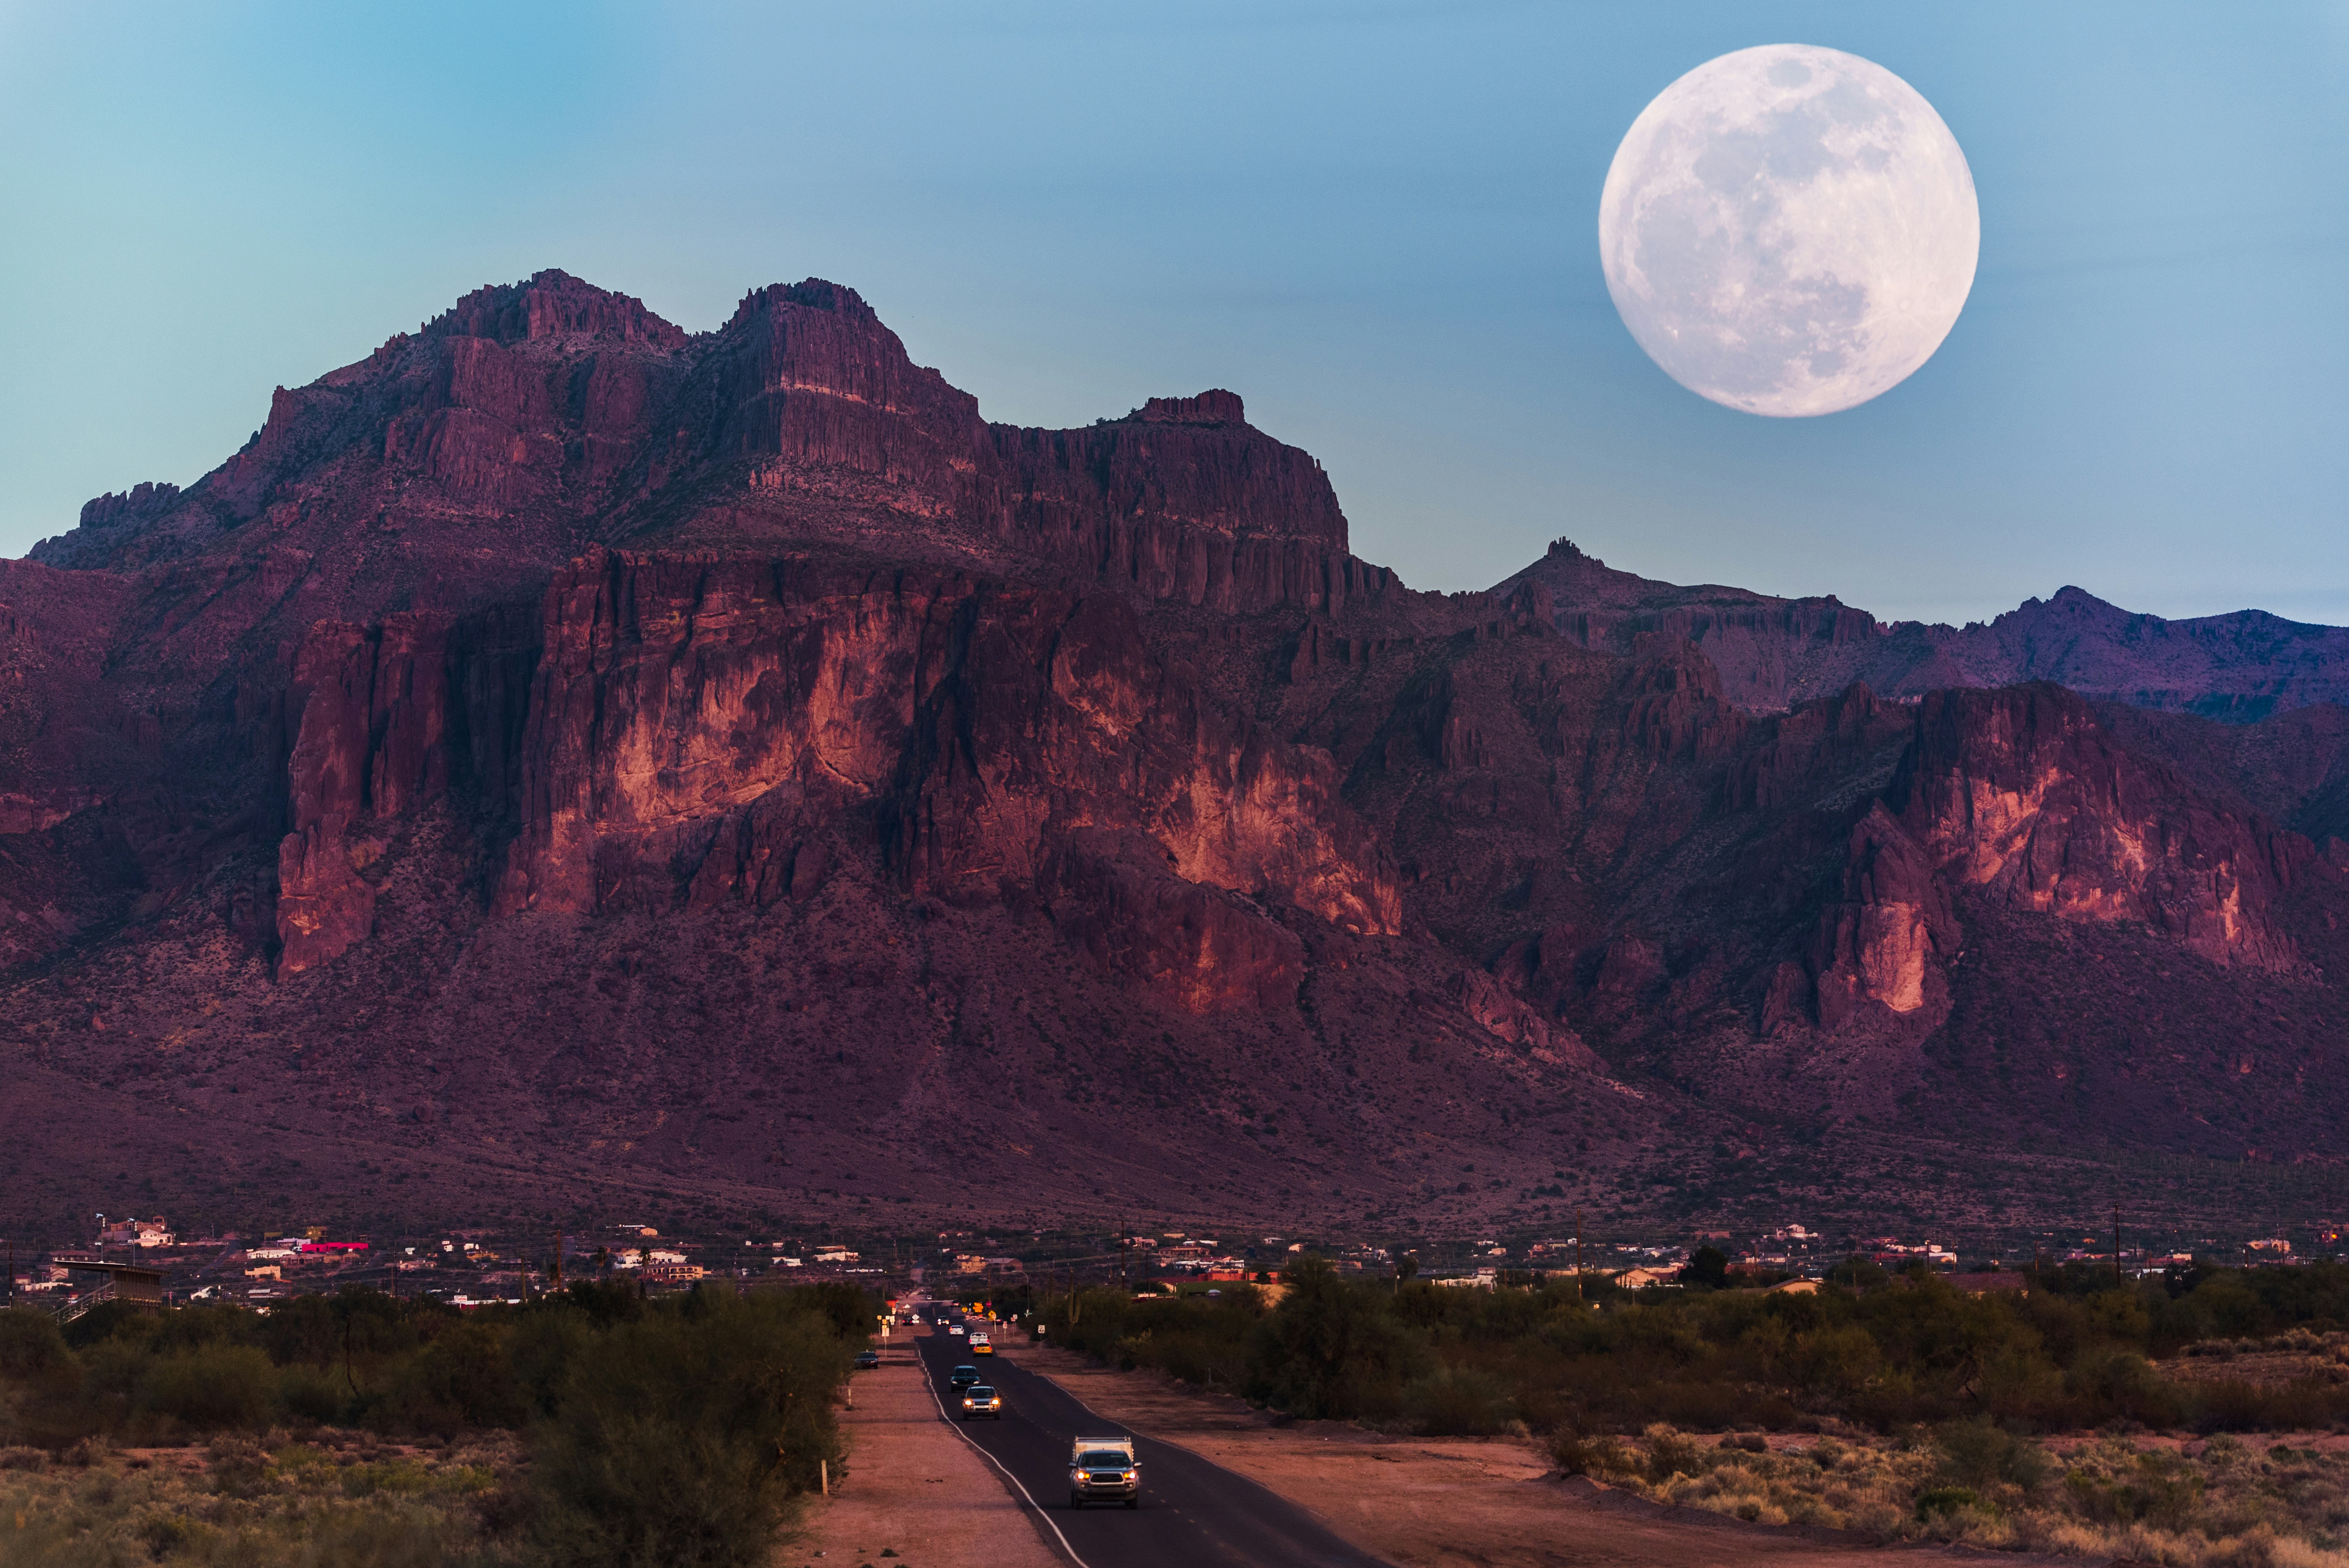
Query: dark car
[(866, 1360), (962, 1378), (979, 1400)]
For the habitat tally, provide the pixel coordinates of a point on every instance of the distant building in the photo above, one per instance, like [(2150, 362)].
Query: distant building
[(1640, 1278), (2275, 1244), (1483, 1279)]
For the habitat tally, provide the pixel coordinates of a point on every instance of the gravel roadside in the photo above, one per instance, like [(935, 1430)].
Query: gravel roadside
[(915, 1490)]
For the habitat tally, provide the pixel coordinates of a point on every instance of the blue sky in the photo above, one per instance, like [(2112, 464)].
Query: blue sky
[(1376, 222)]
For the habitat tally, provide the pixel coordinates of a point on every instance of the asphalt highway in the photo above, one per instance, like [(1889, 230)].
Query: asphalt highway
[(1194, 1514)]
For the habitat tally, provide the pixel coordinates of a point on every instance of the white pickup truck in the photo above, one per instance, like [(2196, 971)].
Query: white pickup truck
[(1104, 1470)]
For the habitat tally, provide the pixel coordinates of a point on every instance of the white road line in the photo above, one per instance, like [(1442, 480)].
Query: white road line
[(931, 1384)]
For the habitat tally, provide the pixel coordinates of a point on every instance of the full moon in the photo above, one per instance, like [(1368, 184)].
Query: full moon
[(1789, 230)]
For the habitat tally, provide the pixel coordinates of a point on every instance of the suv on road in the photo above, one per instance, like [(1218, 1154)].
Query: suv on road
[(962, 1378), (979, 1400), (1104, 1470)]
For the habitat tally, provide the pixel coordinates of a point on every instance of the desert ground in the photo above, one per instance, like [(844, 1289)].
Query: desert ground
[(916, 1489)]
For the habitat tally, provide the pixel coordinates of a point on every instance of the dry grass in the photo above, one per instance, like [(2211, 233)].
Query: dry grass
[(359, 1504), (2226, 1504), (2299, 1356)]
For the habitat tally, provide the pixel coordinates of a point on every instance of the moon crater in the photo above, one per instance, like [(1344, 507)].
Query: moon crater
[(1789, 230)]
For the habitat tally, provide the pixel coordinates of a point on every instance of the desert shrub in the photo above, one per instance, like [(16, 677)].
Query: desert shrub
[(1331, 1348), (2238, 1407), (2223, 1303), (2158, 1490), (30, 1345), (1942, 1501), (1978, 1456), (214, 1387), (606, 1302), (1460, 1402), (1670, 1453), (1578, 1454), (1840, 1360), (238, 1465), (463, 1379), (204, 1322), (852, 1310), (107, 1320), (685, 1437), (1207, 1354), (111, 1372), (310, 1393)]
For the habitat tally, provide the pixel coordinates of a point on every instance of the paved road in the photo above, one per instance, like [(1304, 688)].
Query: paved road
[(1194, 1514)]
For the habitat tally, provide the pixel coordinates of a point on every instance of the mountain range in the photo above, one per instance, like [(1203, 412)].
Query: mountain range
[(563, 763)]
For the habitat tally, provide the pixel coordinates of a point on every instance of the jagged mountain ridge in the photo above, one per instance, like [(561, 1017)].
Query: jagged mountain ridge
[(564, 726), (1774, 652)]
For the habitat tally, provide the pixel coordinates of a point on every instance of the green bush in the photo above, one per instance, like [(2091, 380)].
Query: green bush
[(1977, 1456), (685, 1437), (463, 1379), (1671, 1454), (1332, 1349), (310, 1393), (216, 1386), (30, 1345), (1460, 1402)]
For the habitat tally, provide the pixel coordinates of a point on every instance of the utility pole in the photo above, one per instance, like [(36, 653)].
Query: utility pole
[(1577, 1255), (2116, 1246), (556, 1287)]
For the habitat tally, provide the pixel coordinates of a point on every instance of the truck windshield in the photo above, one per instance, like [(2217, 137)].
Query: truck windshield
[(1103, 1459)]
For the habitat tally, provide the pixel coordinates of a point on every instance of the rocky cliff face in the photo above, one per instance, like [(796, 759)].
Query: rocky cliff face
[(2021, 796), (728, 759), (705, 729), (1800, 906)]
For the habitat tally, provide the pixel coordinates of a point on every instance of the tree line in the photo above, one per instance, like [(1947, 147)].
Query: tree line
[(1574, 1358), (676, 1429)]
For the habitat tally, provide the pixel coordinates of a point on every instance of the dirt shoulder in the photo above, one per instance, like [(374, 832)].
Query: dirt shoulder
[(1452, 1502), (915, 1488)]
